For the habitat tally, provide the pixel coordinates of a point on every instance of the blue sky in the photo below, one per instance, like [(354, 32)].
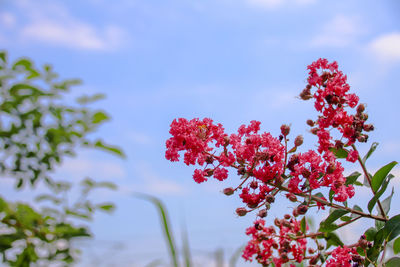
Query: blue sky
[(233, 61)]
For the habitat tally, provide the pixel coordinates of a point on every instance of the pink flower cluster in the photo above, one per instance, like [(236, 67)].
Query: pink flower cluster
[(267, 166), (265, 241), (344, 257), (332, 98)]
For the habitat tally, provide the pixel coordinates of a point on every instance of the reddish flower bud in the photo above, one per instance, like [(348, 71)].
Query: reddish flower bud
[(285, 129), (314, 130), (270, 198), (241, 211), (209, 172), (209, 160), (368, 127), (295, 213), (263, 213), (241, 170), (226, 140), (360, 108), (298, 141), (311, 250), (287, 216), (228, 191), (291, 197), (310, 123), (277, 222), (314, 260), (306, 94), (302, 209)]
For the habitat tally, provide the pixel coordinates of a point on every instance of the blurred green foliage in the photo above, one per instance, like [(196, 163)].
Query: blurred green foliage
[(38, 129)]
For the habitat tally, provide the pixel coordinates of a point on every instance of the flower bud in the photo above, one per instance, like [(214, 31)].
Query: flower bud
[(226, 140), (360, 108), (263, 213), (277, 222), (320, 247), (241, 211), (311, 250), (302, 209), (285, 129), (295, 213), (314, 260), (209, 160), (298, 141), (314, 130), (287, 216), (228, 191), (368, 127), (241, 170), (209, 172), (310, 123), (291, 197), (270, 198), (306, 94)]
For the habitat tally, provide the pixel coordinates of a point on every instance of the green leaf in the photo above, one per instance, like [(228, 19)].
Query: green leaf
[(393, 262), (109, 207), (336, 214), (370, 151), (386, 203), (99, 117), (352, 178), (3, 56), (366, 183), (356, 207), (370, 234), (109, 148), (392, 228), (332, 239), (89, 99), (372, 202), (396, 246), (331, 194), (165, 223), (379, 224), (303, 225), (339, 153), (380, 175)]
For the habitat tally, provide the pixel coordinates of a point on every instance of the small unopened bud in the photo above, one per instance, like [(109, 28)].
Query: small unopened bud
[(298, 141), (254, 184), (267, 206), (368, 127), (284, 257), (311, 250), (287, 216), (263, 213), (331, 168), (270, 198), (320, 247), (314, 130), (291, 197), (302, 209), (362, 138), (285, 129), (363, 243), (295, 213), (360, 108), (314, 260), (228, 191), (357, 258), (226, 140), (252, 205), (209, 172), (241, 170), (209, 160), (258, 226), (277, 222), (310, 123), (241, 211), (306, 94)]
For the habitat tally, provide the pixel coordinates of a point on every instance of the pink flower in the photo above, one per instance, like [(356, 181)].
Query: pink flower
[(341, 256)]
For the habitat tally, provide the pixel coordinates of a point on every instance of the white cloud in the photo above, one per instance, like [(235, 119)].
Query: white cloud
[(386, 47), (272, 4), (154, 184), (139, 138), (79, 168), (341, 31), (53, 24), (7, 20)]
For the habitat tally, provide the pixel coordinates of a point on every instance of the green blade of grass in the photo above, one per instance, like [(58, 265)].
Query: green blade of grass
[(165, 223)]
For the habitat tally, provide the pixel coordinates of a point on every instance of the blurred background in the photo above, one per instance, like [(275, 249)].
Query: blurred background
[(233, 61)]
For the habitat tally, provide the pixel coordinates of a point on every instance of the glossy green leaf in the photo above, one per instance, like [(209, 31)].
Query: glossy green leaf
[(396, 246), (386, 203), (372, 202), (109, 148), (370, 234), (393, 262), (332, 239), (352, 178), (392, 228), (339, 153), (303, 225), (380, 175)]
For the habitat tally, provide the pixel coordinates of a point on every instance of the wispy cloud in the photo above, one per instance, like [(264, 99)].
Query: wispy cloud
[(154, 184), (53, 24), (386, 47), (7, 20), (340, 31)]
